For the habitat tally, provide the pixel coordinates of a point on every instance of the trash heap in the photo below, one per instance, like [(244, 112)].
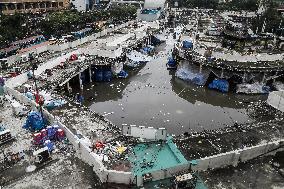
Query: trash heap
[(109, 151), (136, 59), (254, 88), (49, 102), (48, 136)]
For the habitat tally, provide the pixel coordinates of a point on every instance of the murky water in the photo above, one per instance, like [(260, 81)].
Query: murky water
[(152, 96)]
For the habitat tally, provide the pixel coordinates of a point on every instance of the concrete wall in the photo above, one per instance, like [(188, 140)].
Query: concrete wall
[(149, 133), (119, 177), (237, 156)]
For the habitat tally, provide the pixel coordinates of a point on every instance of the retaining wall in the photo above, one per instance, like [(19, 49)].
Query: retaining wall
[(120, 177), (234, 157)]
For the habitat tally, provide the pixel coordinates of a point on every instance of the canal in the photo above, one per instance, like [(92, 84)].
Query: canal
[(152, 96)]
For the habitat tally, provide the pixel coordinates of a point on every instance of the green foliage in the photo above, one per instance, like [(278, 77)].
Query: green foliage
[(208, 4), (12, 28), (18, 26), (250, 5), (272, 19), (60, 22)]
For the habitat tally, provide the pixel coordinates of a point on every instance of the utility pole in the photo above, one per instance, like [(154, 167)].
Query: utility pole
[(37, 97)]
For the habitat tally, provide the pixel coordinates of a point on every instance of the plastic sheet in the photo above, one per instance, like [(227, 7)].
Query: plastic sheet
[(188, 75), (187, 44), (171, 62), (107, 76), (138, 57), (34, 121), (54, 103), (255, 88), (147, 50), (219, 84), (99, 75), (49, 145), (122, 74), (51, 131), (155, 41), (103, 75)]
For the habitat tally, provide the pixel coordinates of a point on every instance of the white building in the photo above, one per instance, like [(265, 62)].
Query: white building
[(81, 5), (154, 4), (152, 10)]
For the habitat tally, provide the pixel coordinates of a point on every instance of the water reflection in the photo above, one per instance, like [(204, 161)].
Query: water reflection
[(152, 96)]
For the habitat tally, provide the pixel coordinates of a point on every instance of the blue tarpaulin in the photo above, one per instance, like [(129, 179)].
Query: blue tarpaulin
[(146, 50), (171, 62), (99, 75), (220, 84), (149, 11), (49, 145), (30, 95), (107, 75), (34, 121), (54, 103), (188, 75), (187, 44), (122, 74), (103, 75)]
